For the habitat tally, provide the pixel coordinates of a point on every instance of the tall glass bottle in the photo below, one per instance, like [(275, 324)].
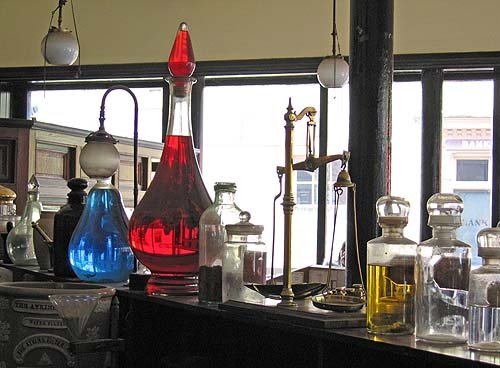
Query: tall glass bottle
[(163, 229), (390, 276), (20, 246), (484, 294), (212, 237), (65, 221), (442, 275), (98, 249)]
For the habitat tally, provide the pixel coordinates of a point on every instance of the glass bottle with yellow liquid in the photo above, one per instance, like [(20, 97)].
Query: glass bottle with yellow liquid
[(390, 276)]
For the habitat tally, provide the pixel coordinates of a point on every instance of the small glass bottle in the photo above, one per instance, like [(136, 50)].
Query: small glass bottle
[(164, 227), (240, 237), (65, 221), (8, 219), (390, 274), (484, 294), (20, 246), (212, 237), (442, 275)]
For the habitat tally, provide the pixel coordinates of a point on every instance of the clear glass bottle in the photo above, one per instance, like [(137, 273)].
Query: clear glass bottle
[(484, 294), (390, 273), (240, 237), (98, 250), (20, 246), (442, 275), (65, 221), (8, 219), (212, 237), (164, 227)]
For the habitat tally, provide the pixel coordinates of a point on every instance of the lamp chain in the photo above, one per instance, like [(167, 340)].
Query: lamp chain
[(335, 35)]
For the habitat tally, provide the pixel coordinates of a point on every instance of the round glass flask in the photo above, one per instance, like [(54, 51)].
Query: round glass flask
[(442, 275), (98, 249), (390, 274), (212, 237), (484, 294), (164, 227), (19, 243)]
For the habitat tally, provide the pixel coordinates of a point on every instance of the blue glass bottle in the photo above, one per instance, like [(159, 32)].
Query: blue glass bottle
[(99, 250)]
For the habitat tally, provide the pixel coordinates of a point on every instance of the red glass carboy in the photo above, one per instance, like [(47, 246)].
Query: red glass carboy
[(163, 229)]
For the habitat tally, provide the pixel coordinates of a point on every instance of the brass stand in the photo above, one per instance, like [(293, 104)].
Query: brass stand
[(311, 163)]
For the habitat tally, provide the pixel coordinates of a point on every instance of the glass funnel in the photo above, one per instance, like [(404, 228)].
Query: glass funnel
[(75, 310)]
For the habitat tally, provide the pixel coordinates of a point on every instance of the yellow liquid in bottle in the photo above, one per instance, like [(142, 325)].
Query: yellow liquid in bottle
[(390, 299)]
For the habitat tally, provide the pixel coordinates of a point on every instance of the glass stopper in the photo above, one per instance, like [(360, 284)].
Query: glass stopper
[(445, 209), (488, 242), (392, 210), (181, 62), (33, 184)]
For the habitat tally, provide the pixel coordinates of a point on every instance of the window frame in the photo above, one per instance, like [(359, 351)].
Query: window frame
[(430, 69)]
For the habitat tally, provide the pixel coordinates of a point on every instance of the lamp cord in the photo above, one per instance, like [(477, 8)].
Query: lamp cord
[(45, 49), (356, 237), (79, 70), (335, 35)]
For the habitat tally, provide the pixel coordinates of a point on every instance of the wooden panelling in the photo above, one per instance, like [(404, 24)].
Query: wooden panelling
[(52, 152), (7, 160)]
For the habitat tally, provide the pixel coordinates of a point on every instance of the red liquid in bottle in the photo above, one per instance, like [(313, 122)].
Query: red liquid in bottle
[(163, 230)]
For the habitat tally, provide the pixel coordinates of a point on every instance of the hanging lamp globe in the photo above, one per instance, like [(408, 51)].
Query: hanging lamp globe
[(333, 72), (59, 47)]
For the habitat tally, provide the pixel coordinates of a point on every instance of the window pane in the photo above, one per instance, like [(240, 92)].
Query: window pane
[(338, 141), (406, 150), (243, 142), (4, 104), (472, 170), (80, 109), (466, 153)]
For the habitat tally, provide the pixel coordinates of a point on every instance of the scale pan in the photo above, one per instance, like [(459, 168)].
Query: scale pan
[(338, 303), (300, 291)]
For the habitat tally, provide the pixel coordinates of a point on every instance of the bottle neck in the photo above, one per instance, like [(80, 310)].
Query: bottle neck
[(444, 232), (103, 183), (224, 197), (392, 231), (179, 122), (33, 208)]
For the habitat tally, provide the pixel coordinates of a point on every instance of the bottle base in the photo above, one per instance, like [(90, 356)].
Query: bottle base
[(391, 331), (441, 339), (487, 346), (166, 285)]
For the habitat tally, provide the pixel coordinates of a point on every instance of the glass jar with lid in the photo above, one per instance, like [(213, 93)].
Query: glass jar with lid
[(244, 257), (484, 294), (442, 275), (390, 274)]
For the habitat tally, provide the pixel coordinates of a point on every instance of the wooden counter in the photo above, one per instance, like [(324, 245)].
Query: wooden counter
[(179, 332)]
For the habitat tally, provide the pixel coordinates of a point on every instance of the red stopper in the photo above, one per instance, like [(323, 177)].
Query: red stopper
[(181, 62)]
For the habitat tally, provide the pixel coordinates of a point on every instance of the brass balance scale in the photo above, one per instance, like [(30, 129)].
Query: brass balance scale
[(322, 295)]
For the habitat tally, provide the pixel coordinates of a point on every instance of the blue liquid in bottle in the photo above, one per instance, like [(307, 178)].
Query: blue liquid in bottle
[(99, 250)]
